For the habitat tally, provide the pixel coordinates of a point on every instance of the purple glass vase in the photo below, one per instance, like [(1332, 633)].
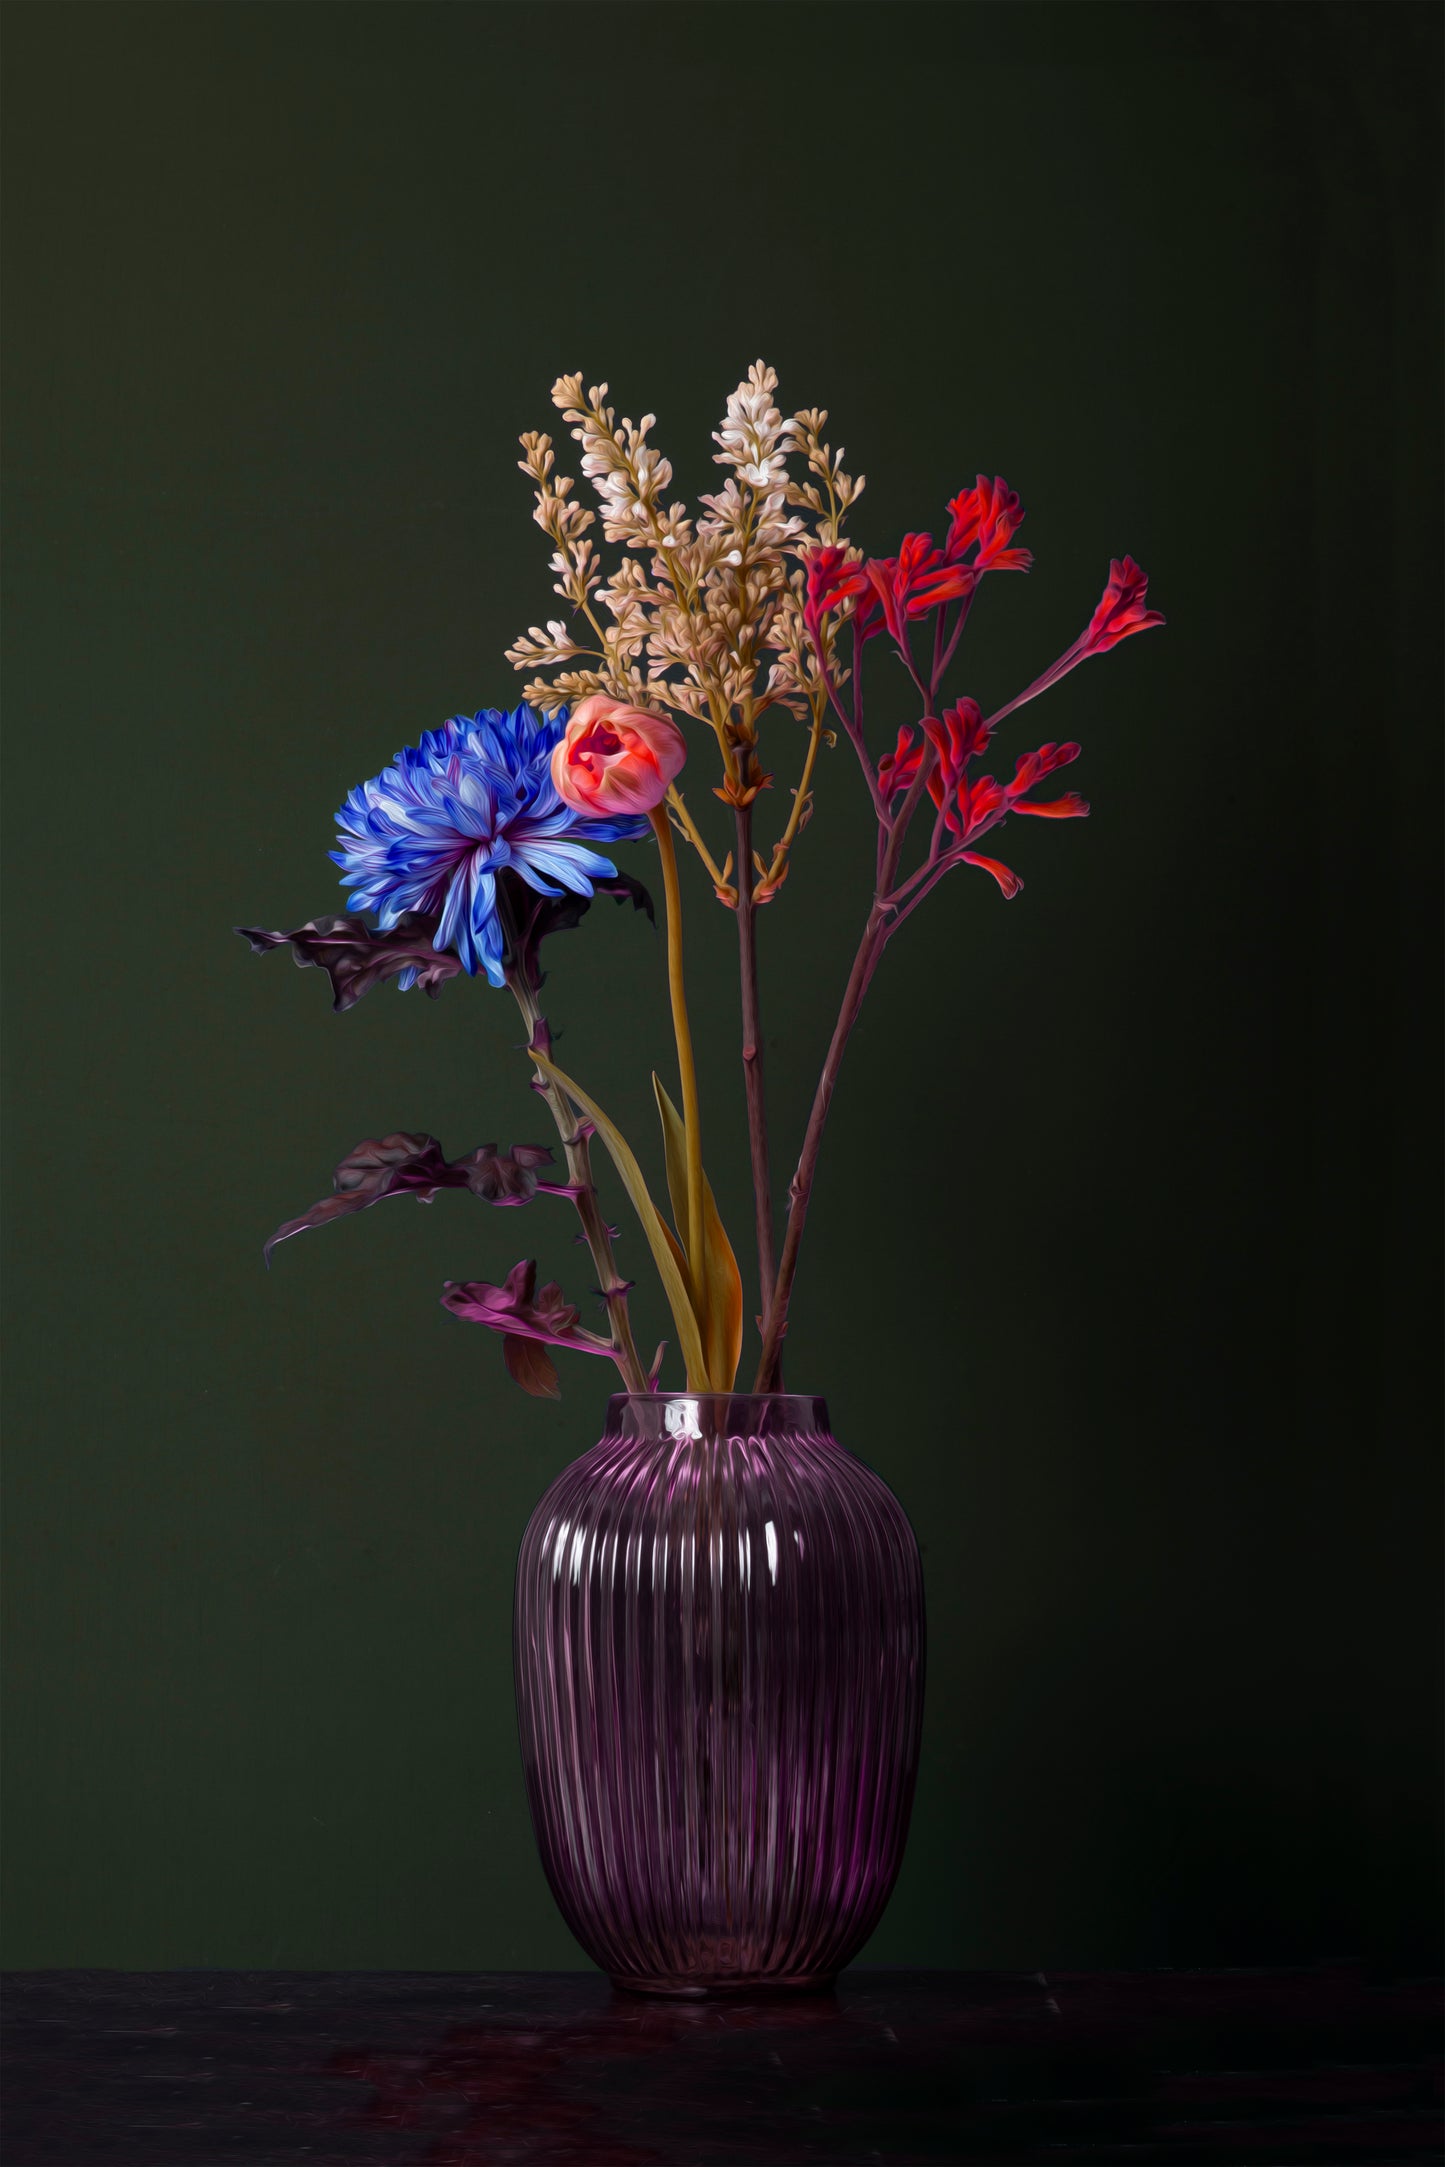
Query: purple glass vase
[(719, 1651)]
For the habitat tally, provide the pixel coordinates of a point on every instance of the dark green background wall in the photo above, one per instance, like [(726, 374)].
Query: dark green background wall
[(1122, 1267)]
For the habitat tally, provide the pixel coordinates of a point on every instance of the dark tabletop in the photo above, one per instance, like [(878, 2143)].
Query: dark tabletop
[(192, 2069)]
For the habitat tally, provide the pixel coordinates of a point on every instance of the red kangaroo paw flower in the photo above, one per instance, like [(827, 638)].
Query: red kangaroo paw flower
[(1121, 609)]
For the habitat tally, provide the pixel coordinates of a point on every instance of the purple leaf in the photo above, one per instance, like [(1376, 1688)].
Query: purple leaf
[(520, 1308), (406, 1164), (530, 1366), (508, 1177), (535, 916), (355, 957)]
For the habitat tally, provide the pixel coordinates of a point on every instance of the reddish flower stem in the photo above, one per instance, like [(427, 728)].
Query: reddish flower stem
[(876, 934), (935, 669), (800, 1189), (941, 661), (1120, 612), (853, 724), (1068, 660), (929, 876), (753, 1079)]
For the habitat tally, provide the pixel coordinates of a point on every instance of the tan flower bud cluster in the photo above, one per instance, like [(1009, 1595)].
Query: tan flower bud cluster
[(703, 614)]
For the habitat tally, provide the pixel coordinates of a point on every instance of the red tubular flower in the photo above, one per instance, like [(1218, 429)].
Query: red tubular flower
[(898, 769), (921, 578), (1121, 609), (941, 583), (963, 518), (1006, 878), (883, 572), (1069, 807), (986, 518), (977, 806), (832, 579), (1031, 768), (893, 591), (970, 809), (896, 578), (957, 737), (867, 617)]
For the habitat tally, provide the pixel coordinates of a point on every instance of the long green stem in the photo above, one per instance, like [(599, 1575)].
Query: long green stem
[(686, 1068)]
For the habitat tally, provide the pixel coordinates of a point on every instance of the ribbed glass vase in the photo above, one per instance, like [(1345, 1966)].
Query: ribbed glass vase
[(719, 1648)]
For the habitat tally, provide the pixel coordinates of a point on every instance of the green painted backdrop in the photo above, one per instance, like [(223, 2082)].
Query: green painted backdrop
[(1121, 1265)]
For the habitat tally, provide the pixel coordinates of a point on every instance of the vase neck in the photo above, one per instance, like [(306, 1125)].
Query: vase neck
[(677, 1417)]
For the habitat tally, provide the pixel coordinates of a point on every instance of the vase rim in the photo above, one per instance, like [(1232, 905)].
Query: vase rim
[(656, 1399), (689, 1415)]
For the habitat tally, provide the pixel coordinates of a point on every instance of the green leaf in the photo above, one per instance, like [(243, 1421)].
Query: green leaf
[(719, 1302), (674, 1284), (674, 1145)]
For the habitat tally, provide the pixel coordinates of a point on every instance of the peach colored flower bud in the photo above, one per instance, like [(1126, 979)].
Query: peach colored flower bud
[(615, 759)]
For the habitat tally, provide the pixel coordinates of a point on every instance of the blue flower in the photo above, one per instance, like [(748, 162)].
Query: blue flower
[(435, 830)]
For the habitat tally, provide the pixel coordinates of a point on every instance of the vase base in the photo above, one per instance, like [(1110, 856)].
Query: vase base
[(725, 1985)]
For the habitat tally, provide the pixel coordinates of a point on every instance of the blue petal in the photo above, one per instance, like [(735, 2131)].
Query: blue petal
[(454, 930), (568, 862), (430, 831), (534, 879)]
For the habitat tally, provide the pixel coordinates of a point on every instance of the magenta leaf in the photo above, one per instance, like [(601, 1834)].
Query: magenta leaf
[(405, 1164), (355, 957), (520, 1308)]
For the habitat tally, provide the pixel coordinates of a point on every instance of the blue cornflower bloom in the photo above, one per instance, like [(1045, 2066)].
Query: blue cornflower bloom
[(435, 830)]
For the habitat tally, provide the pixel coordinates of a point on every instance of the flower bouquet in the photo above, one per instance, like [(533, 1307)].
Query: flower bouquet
[(719, 1611)]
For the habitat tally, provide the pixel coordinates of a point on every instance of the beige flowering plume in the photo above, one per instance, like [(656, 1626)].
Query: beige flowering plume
[(699, 613)]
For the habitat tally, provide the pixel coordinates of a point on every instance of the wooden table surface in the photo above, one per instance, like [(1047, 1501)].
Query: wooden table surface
[(552, 2069)]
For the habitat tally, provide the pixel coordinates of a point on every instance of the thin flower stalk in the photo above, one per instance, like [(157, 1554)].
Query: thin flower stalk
[(703, 616), (686, 1065), (717, 874), (754, 1083), (575, 1137), (918, 581)]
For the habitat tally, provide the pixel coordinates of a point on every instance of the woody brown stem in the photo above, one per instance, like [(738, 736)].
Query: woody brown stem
[(577, 1152)]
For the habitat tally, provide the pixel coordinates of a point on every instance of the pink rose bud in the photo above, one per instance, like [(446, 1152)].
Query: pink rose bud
[(615, 759)]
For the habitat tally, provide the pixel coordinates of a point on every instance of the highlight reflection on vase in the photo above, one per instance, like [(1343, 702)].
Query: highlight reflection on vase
[(719, 1647)]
